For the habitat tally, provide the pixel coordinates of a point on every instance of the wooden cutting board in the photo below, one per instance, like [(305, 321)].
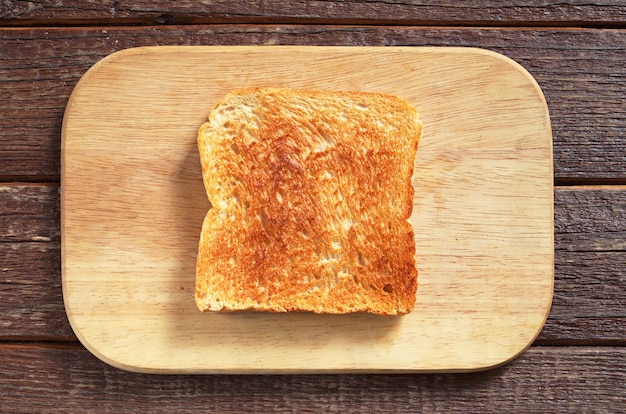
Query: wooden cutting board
[(133, 203)]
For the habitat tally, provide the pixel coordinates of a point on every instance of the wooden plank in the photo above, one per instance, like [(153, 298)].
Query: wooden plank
[(590, 211), (578, 70), (483, 12), (31, 299), (587, 308), (39, 378), (29, 213), (590, 244), (583, 313), (589, 301), (30, 282)]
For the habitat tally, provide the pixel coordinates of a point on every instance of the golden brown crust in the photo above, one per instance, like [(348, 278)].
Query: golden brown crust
[(311, 193)]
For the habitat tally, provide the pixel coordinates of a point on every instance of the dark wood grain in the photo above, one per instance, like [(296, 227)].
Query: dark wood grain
[(589, 302), (582, 73), (590, 258), (39, 378), (590, 211), (30, 264), (589, 305), (29, 213), (481, 12), (576, 49), (31, 297)]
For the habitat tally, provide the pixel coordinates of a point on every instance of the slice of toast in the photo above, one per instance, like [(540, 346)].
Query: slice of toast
[(310, 193)]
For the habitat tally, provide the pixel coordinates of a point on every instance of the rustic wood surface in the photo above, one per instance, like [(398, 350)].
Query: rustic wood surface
[(390, 12), (62, 378), (582, 74), (575, 49)]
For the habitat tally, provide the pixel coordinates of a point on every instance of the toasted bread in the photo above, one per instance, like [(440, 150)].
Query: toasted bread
[(311, 194)]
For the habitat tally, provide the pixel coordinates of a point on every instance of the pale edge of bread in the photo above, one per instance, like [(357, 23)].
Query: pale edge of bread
[(311, 193)]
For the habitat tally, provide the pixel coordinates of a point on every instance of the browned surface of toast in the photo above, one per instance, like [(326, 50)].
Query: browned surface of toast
[(311, 193)]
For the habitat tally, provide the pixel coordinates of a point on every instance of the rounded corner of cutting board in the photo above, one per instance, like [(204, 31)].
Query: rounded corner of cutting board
[(101, 353), (117, 55), (510, 62), (520, 69), (85, 79), (82, 338), (516, 353)]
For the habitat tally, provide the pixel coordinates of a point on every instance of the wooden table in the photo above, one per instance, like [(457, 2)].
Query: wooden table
[(575, 50)]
